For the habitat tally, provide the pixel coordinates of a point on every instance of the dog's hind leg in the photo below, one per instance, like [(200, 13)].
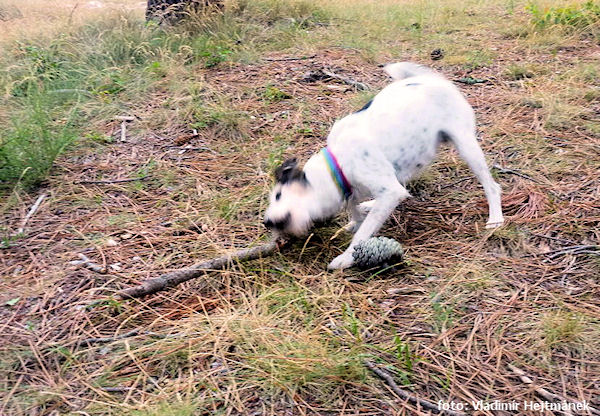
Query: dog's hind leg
[(358, 212), (471, 152)]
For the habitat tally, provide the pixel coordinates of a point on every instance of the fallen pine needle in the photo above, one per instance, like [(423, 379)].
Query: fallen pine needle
[(32, 211)]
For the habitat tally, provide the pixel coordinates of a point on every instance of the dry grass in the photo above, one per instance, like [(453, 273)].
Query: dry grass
[(281, 335)]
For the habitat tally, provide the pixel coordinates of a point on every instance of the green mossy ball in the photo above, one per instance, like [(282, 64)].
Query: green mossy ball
[(377, 251)]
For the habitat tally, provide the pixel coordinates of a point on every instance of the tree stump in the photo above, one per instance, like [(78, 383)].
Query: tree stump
[(172, 11)]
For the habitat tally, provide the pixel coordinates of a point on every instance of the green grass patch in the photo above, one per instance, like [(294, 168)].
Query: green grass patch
[(56, 86), (29, 146), (574, 15), (272, 94), (562, 328)]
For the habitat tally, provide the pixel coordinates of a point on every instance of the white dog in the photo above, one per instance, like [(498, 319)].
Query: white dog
[(371, 154)]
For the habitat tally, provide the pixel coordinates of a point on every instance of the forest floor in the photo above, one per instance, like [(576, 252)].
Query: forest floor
[(281, 335)]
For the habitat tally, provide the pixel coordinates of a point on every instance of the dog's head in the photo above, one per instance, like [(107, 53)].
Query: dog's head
[(288, 211)]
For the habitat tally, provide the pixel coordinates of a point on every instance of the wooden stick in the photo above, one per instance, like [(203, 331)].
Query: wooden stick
[(577, 249), (514, 172), (545, 394), (105, 340), (356, 84), (293, 58), (404, 395), (32, 211), (87, 263), (176, 277), (113, 181)]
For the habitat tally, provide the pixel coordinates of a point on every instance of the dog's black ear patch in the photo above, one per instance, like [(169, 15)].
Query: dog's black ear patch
[(289, 171)]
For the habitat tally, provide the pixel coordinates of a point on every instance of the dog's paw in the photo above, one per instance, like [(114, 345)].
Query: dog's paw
[(343, 261), (494, 224), (351, 227), (365, 207)]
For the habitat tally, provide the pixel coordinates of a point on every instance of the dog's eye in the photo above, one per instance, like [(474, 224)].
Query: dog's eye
[(277, 196)]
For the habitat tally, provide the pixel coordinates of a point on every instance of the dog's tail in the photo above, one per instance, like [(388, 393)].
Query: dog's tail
[(402, 70)]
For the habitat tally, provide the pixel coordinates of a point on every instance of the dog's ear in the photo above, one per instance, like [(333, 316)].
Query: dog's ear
[(288, 171)]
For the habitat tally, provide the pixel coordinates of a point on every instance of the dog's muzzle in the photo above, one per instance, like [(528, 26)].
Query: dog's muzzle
[(279, 224)]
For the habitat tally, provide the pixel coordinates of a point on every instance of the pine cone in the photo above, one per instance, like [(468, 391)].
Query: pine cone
[(377, 251)]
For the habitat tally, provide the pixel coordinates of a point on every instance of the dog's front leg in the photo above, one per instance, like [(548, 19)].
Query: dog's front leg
[(380, 209)]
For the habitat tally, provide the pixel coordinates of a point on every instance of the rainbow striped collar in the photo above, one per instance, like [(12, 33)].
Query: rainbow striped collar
[(336, 173)]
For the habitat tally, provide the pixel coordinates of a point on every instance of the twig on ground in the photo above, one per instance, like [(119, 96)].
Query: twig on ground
[(299, 58), (115, 389), (176, 277), (324, 74), (150, 385), (159, 136), (105, 340), (31, 212), (141, 178), (514, 172), (563, 240), (87, 263), (577, 249), (406, 395), (184, 149), (356, 84), (545, 394)]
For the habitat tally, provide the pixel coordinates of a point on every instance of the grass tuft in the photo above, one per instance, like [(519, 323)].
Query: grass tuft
[(575, 15), (562, 329), (30, 145)]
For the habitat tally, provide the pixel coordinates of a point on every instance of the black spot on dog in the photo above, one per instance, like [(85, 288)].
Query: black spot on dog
[(412, 84), (366, 153), (419, 165), (367, 105)]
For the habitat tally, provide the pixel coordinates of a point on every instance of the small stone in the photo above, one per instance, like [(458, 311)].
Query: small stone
[(111, 242), (437, 54)]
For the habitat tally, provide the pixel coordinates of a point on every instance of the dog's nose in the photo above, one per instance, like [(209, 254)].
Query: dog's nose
[(277, 224)]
